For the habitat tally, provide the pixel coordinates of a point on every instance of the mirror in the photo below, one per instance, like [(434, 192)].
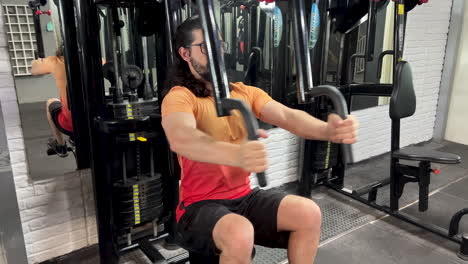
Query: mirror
[(35, 87)]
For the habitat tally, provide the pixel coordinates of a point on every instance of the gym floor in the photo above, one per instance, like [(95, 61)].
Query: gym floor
[(354, 233)]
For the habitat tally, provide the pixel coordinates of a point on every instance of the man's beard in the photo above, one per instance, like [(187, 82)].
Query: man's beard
[(201, 70)]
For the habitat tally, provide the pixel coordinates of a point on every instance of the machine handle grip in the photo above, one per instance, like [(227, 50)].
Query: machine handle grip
[(339, 103), (251, 125)]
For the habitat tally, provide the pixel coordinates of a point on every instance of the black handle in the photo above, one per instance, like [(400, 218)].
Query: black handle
[(371, 28), (380, 62), (37, 28), (339, 103), (251, 125), (349, 66), (219, 80)]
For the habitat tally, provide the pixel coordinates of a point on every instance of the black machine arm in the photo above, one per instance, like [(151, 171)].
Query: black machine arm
[(224, 104), (306, 89), (35, 6)]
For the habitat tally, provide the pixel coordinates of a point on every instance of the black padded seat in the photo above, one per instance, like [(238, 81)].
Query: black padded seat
[(422, 154)]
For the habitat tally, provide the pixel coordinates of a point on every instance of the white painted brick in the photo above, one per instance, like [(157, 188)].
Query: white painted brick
[(25, 228), (48, 254), (16, 144), (50, 187), (17, 156), (67, 227), (21, 181), (19, 168), (55, 219), (93, 240), (7, 80), (51, 242), (7, 95), (13, 132), (50, 198), (33, 213), (21, 205), (24, 193)]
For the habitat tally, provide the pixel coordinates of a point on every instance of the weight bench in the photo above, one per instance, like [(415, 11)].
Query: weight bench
[(402, 105)]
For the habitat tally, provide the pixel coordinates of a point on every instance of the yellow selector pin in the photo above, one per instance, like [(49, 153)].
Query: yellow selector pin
[(142, 139)]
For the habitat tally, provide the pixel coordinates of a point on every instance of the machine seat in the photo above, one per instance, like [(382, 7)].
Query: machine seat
[(423, 154)]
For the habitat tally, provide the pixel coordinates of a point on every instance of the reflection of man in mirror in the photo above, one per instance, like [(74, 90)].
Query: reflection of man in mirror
[(58, 113)]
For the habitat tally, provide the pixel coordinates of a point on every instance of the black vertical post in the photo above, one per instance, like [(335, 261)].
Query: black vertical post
[(38, 30), (75, 98), (398, 45), (394, 174), (90, 62)]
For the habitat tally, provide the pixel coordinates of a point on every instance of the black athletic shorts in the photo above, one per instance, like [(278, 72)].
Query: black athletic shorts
[(195, 227), (54, 109)]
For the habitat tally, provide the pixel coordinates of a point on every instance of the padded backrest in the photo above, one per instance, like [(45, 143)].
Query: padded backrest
[(403, 100)]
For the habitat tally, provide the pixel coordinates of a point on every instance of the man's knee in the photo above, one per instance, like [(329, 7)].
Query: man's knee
[(50, 101), (311, 216), (234, 234)]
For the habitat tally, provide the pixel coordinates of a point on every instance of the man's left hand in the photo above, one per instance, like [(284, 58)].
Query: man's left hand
[(342, 131)]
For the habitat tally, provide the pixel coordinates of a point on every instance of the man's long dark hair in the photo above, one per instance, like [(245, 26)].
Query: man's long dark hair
[(179, 73)]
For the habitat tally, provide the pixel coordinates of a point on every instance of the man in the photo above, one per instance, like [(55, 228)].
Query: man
[(218, 212), (58, 113)]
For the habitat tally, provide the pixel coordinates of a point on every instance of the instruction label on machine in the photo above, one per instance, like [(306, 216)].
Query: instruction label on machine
[(278, 27), (314, 26)]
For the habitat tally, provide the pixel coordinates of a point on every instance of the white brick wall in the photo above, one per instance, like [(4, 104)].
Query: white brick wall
[(58, 215)]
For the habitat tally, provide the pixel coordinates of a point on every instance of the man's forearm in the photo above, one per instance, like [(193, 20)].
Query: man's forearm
[(198, 146), (306, 126)]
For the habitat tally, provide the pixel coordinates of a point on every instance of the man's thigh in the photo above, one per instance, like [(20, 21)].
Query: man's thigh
[(195, 227), (261, 209)]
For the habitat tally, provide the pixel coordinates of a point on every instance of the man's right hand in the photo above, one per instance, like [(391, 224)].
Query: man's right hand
[(252, 155)]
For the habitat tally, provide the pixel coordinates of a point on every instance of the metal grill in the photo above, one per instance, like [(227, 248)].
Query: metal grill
[(21, 37)]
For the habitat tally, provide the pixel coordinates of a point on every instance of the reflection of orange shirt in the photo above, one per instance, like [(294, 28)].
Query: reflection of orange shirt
[(55, 65), (205, 181)]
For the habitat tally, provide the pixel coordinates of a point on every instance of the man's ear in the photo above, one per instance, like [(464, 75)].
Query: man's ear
[(184, 54)]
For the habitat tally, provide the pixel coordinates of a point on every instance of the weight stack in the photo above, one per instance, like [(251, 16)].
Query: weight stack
[(138, 201), (326, 155), (130, 110)]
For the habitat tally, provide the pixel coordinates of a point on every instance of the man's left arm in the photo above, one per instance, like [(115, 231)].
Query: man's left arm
[(40, 66), (304, 125)]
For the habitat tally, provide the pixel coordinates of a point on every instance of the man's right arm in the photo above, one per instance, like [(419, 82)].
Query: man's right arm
[(186, 140)]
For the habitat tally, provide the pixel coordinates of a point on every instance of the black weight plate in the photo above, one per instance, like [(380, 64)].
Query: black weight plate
[(132, 76), (144, 180), (143, 186), (128, 195), (128, 205)]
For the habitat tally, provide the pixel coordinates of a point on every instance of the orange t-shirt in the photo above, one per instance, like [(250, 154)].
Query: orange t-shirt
[(206, 181)]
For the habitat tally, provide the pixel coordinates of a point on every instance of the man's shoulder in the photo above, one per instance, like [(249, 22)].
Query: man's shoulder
[(180, 92)]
